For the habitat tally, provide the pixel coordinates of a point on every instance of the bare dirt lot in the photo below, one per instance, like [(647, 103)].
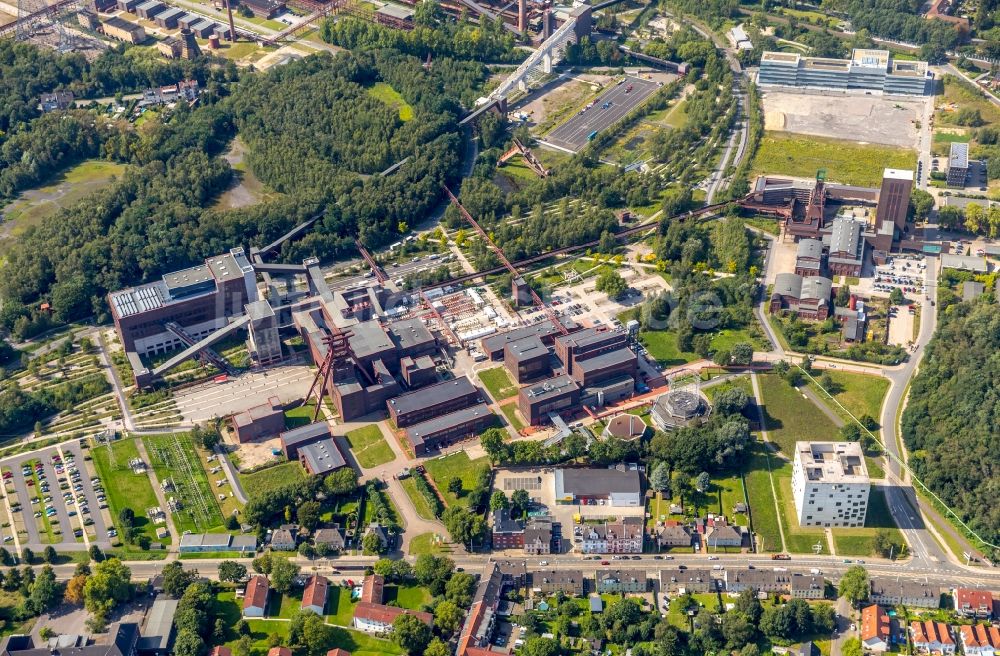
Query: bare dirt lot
[(868, 119)]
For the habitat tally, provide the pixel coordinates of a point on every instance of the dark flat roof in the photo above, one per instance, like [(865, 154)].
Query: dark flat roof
[(606, 360), (307, 432), (411, 332), (432, 395), (527, 348), (541, 329), (322, 456), (419, 431)]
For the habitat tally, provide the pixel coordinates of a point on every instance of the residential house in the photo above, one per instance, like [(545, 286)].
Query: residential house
[(980, 640), (902, 592), (220, 651), (331, 538), (673, 534), (372, 616), (122, 640), (480, 623), (284, 538), (552, 581), (680, 581), (931, 637), (514, 572), (56, 100), (759, 580), (539, 537), (314, 597), (807, 587), (875, 629), (619, 581), (255, 598), (623, 536), (508, 533), (378, 618), (338, 652), (279, 651), (721, 534), (974, 603)]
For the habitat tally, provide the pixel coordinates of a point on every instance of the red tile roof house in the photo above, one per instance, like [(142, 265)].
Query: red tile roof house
[(971, 602), (378, 619), (255, 599), (338, 652), (980, 640), (875, 630), (314, 597), (372, 616), (279, 651), (932, 638), (221, 651)]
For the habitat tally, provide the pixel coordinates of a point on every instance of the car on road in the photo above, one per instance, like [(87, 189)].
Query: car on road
[(604, 562)]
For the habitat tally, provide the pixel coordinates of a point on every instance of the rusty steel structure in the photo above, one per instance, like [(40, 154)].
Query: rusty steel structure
[(376, 269), (529, 158)]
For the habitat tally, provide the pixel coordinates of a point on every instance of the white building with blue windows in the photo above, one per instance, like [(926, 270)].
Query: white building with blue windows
[(871, 71)]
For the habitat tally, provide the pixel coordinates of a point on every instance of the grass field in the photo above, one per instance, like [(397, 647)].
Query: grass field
[(419, 501), (391, 97), (355, 642), (272, 477), (498, 383), (765, 516), (509, 411), (662, 346), (845, 161), (406, 596), (457, 464), (339, 607), (369, 447), (125, 489), (425, 543), (174, 457), (742, 382), (790, 417), (860, 394), (300, 416), (34, 205)]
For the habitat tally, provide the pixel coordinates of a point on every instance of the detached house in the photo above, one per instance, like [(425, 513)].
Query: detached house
[(875, 630), (974, 603)]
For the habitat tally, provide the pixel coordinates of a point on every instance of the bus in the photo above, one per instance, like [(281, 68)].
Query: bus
[(592, 135)]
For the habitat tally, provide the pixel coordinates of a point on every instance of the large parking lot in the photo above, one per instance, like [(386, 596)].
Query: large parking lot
[(53, 498)]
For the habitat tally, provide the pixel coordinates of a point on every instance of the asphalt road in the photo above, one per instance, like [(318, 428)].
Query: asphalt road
[(572, 135)]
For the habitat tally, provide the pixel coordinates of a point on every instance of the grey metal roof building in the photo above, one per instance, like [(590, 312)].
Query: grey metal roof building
[(493, 345), (411, 336), (293, 440), (527, 348), (321, 457), (452, 426), (157, 632), (958, 164), (964, 262), (431, 396)]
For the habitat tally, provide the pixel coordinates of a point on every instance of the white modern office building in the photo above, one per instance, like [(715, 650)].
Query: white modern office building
[(871, 71), (830, 484)]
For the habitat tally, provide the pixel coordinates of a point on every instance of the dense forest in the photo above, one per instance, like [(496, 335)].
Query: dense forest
[(323, 152), (487, 43), (950, 422)]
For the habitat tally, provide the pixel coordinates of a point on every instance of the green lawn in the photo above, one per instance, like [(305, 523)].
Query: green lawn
[(498, 383), (510, 412), (300, 416), (174, 457), (457, 464), (848, 162), (742, 382), (418, 500), (285, 606), (391, 97), (790, 417), (860, 394), (125, 489), (662, 346), (765, 516), (407, 596), (339, 607), (369, 447), (425, 544), (272, 477)]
